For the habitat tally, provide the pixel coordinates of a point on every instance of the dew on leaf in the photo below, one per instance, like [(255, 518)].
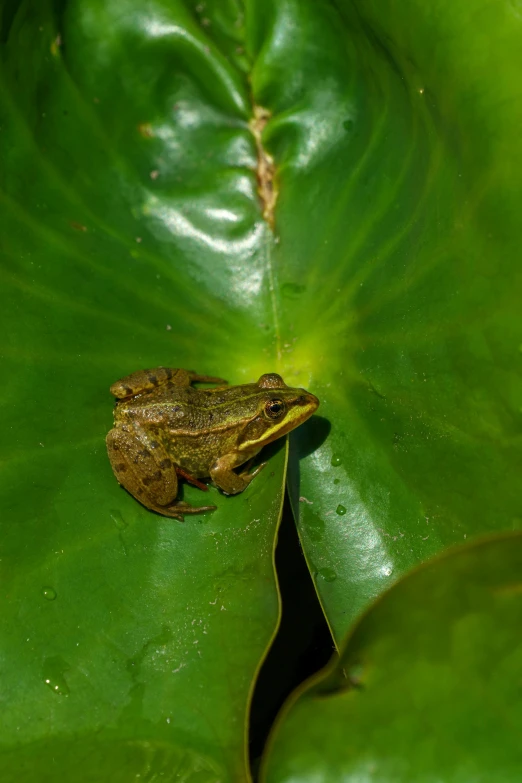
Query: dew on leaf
[(354, 674), (49, 593), (328, 574), (53, 674), (335, 461), (341, 510), (314, 527), (292, 290), (118, 520)]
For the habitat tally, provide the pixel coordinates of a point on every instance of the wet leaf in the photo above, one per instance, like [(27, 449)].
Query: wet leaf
[(398, 266), (427, 686), (327, 190), (131, 237)]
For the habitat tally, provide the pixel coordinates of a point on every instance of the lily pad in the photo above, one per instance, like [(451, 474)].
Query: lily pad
[(325, 190), (427, 686), (130, 217), (398, 263)]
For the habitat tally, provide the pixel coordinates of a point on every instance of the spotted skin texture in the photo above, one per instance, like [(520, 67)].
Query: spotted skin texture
[(164, 428), (148, 380)]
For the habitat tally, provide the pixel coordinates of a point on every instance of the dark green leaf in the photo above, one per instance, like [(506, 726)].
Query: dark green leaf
[(131, 236), (396, 133), (428, 686)]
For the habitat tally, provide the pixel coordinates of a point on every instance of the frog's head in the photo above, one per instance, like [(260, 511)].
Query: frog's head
[(280, 409)]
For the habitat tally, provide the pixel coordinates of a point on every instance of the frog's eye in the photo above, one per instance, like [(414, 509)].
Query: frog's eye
[(274, 409)]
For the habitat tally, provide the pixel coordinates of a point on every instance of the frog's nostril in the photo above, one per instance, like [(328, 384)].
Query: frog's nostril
[(311, 399)]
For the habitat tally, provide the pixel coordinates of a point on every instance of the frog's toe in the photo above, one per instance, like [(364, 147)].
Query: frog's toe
[(180, 508), (245, 474)]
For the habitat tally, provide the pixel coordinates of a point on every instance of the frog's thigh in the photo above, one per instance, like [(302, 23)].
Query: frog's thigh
[(147, 473), (146, 380)]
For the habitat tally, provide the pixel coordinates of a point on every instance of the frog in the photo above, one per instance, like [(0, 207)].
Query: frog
[(167, 429)]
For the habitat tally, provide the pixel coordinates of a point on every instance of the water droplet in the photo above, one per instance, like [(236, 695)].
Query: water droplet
[(386, 570), (49, 593), (335, 461), (53, 673), (292, 290), (314, 527), (397, 439), (348, 125), (341, 510), (354, 673), (328, 574), (337, 481), (118, 520)]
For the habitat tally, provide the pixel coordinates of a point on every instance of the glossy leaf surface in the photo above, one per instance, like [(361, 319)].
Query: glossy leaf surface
[(131, 237), (399, 272), (428, 684)]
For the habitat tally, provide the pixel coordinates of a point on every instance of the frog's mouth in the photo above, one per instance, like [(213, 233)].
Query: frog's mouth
[(262, 431), (301, 408)]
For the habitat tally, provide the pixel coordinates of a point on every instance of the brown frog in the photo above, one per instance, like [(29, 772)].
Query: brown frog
[(165, 428)]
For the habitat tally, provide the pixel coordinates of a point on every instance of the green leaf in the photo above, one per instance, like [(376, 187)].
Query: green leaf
[(131, 237), (427, 686), (396, 136), (132, 234)]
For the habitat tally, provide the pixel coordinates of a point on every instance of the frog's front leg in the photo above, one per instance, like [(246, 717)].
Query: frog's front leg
[(223, 476), (146, 380), (146, 471)]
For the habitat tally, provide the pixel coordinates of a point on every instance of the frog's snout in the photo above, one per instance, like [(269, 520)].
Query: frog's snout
[(309, 400)]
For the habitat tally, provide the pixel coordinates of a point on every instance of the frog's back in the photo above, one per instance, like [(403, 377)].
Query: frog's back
[(198, 426), (166, 402), (190, 412), (201, 412)]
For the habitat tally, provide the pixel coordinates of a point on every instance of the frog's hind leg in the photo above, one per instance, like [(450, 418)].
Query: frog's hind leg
[(146, 380), (147, 472)]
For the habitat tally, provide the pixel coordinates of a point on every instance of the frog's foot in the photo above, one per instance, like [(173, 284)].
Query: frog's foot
[(245, 477), (246, 468), (178, 509), (227, 480)]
